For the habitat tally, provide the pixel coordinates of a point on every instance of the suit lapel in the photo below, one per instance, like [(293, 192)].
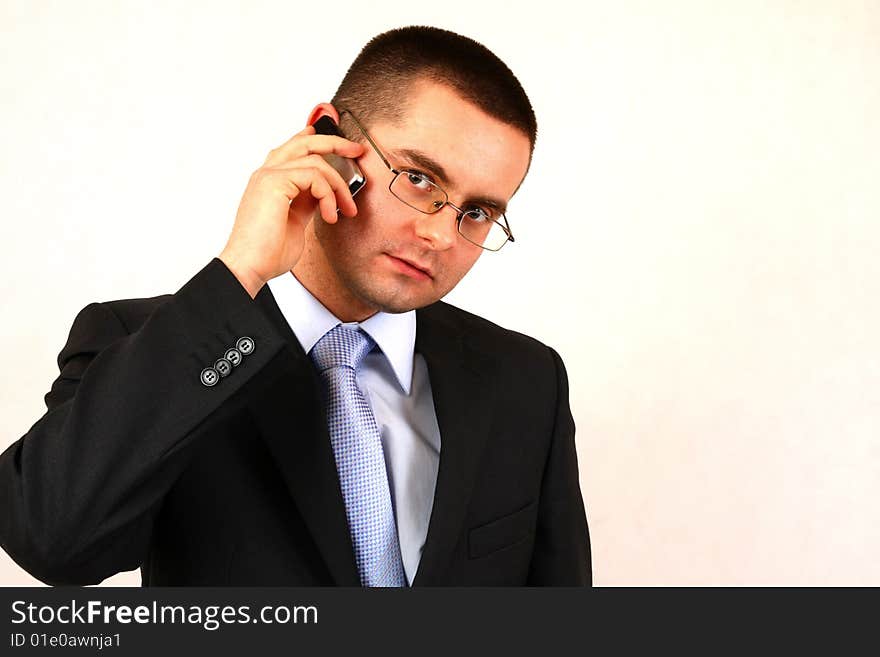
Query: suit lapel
[(463, 402), (290, 416)]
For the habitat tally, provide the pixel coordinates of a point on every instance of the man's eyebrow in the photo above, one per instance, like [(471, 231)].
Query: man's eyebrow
[(424, 161), (432, 166)]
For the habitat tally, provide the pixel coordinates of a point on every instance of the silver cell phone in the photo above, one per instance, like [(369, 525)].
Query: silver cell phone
[(347, 168)]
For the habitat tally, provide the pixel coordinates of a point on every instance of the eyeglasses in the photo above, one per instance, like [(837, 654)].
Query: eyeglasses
[(484, 226)]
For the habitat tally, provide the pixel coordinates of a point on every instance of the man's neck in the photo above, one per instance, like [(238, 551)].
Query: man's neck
[(317, 276)]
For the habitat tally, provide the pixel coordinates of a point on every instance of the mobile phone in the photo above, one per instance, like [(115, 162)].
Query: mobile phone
[(347, 168)]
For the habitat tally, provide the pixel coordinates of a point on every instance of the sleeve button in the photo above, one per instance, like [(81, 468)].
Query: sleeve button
[(210, 377), (245, 346), (233, 355), (223, 367)]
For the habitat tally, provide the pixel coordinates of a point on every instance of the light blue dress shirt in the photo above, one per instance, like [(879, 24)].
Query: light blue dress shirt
[(398, 390)]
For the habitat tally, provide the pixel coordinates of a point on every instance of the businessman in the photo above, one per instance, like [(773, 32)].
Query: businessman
[(305, 410)]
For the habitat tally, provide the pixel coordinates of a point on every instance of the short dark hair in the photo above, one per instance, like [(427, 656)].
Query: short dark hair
[(384, 72)]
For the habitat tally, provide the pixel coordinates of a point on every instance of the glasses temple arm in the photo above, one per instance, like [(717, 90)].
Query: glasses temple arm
[(369, 139)]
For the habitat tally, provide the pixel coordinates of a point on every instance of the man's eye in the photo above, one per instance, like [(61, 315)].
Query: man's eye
[(419, 180), (480, 214)]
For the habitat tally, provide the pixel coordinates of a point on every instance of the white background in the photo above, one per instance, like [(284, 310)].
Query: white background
[(698, 236)]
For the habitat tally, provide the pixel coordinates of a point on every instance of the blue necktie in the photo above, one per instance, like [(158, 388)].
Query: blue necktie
[(360, 460)]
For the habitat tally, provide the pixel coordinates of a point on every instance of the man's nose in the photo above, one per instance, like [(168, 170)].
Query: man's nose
[(439, 228)]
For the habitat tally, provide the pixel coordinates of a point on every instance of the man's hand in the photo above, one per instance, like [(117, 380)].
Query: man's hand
[(280, 199)]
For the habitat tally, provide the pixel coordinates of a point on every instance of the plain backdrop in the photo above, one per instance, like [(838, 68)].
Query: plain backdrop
[(697, 237)]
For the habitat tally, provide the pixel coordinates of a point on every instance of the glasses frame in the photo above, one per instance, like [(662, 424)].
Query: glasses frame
[(460, 213)]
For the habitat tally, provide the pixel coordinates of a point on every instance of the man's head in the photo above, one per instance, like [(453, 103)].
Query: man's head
[(422, 94), (376, 85)]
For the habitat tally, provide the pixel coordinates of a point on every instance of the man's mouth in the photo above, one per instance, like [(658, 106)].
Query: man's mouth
[(411, 267)]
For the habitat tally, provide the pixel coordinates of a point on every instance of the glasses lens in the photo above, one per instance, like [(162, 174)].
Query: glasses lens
[(418, 191), (483, 230)]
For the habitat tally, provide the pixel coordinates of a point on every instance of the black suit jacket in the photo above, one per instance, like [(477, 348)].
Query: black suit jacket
[(137, 463)]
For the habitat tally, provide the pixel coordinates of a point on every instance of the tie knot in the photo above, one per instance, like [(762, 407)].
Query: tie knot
[(341, 345)]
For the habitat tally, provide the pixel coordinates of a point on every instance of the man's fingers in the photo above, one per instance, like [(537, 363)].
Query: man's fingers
[(332, 144), (294, 182), (302, 145), (340, 187), (305, 132), (326, 199)]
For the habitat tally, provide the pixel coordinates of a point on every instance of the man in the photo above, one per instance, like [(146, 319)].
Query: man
[(305, 411)]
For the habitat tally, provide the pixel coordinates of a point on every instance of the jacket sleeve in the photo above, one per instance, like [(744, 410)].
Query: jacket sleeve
[(79, 491), (561, 555)]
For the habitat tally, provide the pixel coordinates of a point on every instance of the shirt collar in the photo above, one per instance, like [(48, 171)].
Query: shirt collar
[(310, 320)]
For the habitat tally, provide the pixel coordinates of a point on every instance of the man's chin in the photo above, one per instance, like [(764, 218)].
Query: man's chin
[(397, 303), (398, 307)]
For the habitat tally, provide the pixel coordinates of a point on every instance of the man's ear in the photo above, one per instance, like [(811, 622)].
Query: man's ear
[(324, 109)]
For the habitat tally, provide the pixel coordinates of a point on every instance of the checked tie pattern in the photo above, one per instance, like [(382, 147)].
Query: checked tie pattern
[(360, 460)]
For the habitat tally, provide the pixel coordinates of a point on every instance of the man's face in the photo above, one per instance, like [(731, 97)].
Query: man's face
[(481, 158)]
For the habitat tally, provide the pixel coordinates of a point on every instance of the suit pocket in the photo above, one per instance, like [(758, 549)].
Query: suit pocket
[(502, 532)]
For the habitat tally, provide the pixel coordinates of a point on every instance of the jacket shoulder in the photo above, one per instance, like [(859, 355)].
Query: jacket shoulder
[(484, 334), (102, 322), (132, 313)]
